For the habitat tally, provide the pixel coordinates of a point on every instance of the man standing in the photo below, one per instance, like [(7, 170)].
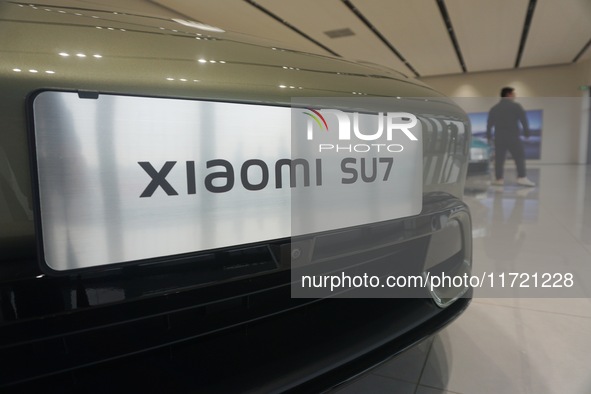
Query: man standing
[(505, 117)]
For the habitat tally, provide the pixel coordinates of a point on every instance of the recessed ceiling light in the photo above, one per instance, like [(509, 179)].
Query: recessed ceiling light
[(338, 33)]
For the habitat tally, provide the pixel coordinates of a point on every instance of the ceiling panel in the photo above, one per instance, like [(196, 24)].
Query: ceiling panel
[(558, 32), (416, 30), (239, 16), (488, 32), (317, 17)]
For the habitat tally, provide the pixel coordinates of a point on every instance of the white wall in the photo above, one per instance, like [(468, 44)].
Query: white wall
[(555, 90)]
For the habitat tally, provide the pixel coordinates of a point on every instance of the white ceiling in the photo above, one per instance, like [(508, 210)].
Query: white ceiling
[(411, 35)]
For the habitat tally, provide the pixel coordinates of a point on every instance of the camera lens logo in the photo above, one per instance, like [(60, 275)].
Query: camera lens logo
[(317, 118)]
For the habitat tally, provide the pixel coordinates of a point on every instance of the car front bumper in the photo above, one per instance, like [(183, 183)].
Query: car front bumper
[(218, 326)]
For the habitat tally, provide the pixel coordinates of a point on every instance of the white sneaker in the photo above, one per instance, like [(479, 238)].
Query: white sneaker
[(498, 182), (525, 182)]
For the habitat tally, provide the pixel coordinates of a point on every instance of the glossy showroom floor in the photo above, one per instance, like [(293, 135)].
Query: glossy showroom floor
[(507, 343)]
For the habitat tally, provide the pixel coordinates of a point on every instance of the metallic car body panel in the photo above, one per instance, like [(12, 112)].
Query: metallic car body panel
[(157, 56), (64, 330)]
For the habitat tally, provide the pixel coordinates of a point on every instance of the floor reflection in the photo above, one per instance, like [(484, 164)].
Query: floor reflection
[(498, 213), (536, 234)]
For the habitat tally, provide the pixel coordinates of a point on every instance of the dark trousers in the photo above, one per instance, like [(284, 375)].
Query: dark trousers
[(515, 147)]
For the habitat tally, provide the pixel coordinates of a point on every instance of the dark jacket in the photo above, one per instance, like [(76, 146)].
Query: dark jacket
[(505, 118)]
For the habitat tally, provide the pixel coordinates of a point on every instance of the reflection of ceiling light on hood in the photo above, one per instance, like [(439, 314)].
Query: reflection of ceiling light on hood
[(197, 25)]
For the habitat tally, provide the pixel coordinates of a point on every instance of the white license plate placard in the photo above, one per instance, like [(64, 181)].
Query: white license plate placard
[(123, 179)]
